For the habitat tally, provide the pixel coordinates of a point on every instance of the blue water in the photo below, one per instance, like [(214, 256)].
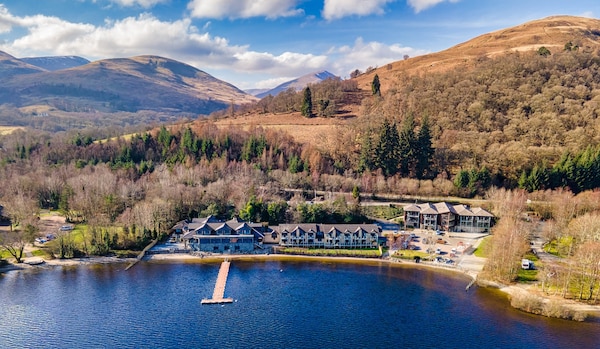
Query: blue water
[(278, 305)]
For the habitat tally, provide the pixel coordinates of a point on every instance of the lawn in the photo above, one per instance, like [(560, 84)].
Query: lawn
[(4, 254), (367, 253), (525, 275), (383, 211), (559, 247), (410, 254), (483, 249)]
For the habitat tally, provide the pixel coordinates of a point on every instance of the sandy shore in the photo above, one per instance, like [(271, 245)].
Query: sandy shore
[(33, 262)]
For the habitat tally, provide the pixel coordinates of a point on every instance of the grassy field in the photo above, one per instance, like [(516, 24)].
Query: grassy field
[(525, 275), (370, 253), (4, 130), (4, 254), (410, 254), (482, 249), (383, 211), (559, 247)]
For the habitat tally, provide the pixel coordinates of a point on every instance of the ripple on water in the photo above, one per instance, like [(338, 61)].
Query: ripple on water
[(307, 305)]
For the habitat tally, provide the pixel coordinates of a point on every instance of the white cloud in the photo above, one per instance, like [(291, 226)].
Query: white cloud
[(243, 8), (145, 34), (272, 83), (368, 54), (588, 14), (335, 9), (142, 3), (420, 5), (7, 20)]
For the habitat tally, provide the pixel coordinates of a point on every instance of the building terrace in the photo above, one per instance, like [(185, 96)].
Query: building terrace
[(212, 235), (448, 217)]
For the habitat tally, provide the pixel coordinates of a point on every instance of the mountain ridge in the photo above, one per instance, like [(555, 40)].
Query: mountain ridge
[(298, 83), (119, 84), (53, 63)]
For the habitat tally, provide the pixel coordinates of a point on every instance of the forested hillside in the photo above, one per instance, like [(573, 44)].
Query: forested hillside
[(508, 114)]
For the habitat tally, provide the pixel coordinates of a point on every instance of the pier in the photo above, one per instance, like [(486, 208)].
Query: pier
[(219, 292)]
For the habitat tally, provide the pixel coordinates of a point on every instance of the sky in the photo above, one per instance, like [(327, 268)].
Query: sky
[(262, 43)]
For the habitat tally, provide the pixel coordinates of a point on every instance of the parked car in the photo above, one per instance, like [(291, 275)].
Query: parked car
[(66, 228), (441, 241), (438, 251)]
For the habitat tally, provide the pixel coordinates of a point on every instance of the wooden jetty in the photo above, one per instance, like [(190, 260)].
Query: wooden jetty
[(219, 292)]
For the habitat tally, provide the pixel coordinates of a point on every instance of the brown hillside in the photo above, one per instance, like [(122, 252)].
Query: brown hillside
[(119, 84), (551, 32)]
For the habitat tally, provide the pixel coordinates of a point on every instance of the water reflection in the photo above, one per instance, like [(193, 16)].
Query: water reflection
[(291, 304)]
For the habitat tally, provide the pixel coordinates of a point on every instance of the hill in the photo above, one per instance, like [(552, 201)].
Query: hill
[(297, 84), (551, 32), (11, 66), (123, 84), (56, 62), (492, 102)]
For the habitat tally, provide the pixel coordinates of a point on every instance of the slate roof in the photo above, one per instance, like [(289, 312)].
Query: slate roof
[(444, 207)]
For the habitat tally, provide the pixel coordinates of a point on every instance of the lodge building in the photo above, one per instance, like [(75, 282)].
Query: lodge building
[(447, 217), (236, 236)]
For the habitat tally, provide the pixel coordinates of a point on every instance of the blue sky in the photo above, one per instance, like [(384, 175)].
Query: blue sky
[(261, 43)]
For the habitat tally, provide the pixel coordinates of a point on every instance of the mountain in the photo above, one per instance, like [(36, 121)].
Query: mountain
[(449, 71), (11, 66), (122, 84), (297, 84), (551, 32), (56, 62), (256, 91)]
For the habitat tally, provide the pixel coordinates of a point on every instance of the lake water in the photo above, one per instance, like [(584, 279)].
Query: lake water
[(279, 304)]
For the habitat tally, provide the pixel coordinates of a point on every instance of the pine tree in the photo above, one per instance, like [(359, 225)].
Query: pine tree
[(307, 103), (376, 86), (386, 152), (407, 146), (423, 151), (366, 160), (462, 179), (523, 181)]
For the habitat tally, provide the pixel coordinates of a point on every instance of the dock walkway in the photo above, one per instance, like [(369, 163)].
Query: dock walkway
[(219, 292)]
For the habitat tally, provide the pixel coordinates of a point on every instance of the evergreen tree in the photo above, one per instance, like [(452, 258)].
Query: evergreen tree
[(307, 103), (295, 164), (423, 151), (523, 181), (407, 146), (366, 160), (376, 86), (462, 179), (386, 152)]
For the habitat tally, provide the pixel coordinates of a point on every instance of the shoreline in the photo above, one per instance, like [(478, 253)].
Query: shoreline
[(592, 311)]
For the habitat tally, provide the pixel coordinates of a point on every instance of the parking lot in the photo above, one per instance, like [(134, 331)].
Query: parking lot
[(446, 247)]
